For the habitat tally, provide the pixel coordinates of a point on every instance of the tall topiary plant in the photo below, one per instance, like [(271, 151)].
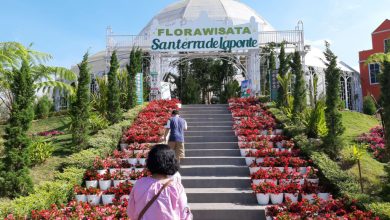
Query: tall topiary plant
[(299, 92), (385, 86), (134, 67), (80, 108), (283, 70), (114, 112), (332, 141), (15, 180)]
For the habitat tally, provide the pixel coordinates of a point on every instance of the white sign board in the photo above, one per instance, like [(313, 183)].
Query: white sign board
[(204, 34), (165, 91)]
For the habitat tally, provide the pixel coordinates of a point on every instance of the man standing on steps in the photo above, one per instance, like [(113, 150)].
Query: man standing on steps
[(176, 125)]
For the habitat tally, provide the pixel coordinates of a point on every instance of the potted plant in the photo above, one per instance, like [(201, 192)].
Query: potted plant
[(141, 157), (108, 195), (139, 168), (323, 194), (119, 177), (123, 190), (80, 194), (291, 191), (91, 178), (105, 181), (311, 176), (100, 165), (263, 191), (114, 164), (250, 160), (277, 194), (309, 191), (125, 166), (132, 159), (93, 196)]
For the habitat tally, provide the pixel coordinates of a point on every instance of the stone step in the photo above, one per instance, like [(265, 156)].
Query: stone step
[(227, 211), (209, 133), (199, 138), (214, 170), (197, 123), (212, 153), (211, 145), (238, 161), (210, 128), (202, 106), (216, 182), (214, 121), (220, 195), (204, 111)]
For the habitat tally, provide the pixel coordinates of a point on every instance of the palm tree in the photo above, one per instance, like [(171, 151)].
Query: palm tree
[(46, 78)]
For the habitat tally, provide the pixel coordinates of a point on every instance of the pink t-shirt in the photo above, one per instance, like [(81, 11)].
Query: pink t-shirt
[(170, 205)]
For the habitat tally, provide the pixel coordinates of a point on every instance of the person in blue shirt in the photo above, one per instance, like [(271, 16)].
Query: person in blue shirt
[(175, 127)]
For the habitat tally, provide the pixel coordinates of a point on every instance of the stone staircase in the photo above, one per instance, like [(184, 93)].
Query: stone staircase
[(214, 174)]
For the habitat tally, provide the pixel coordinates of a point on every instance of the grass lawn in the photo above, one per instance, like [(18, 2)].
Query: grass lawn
[(372, 170)]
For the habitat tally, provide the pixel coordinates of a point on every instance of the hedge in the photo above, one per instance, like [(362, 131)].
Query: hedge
[(344, 185), (60, 190)]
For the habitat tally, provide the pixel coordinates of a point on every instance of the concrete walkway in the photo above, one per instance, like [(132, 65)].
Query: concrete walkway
[(214, 174)]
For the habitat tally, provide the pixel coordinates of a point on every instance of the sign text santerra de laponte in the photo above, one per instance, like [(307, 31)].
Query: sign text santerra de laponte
[(205, 35)]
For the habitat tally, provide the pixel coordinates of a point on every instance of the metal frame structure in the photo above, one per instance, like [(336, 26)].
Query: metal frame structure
[(161, 62)]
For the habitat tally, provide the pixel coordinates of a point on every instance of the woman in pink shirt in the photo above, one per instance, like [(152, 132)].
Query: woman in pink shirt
[(166, 197)]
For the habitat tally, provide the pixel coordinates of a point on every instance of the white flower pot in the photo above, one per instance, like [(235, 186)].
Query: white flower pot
[(268, 218), (113, 170), (126, 170), (132, 161), (278, 132), (277, 199), (133, 181), (260, 160), (91, 183), (324, 196), (314, 181), (244, 152), (125, 197), (102, 172), (308, 197), (93, 199), (139, 170), (266, 168), (138, 151), (253, 170), (249, 160), (117, 182), (124, 147), (81, 198), (302, 170), (258, 181), (292, 197), (279, 144), (290, 169), (107, 199), (142, 161), (262, 199), (104, 184), (264, 132), (300, 181)]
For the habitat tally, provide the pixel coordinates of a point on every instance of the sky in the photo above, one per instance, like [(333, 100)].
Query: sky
[(67, 29)]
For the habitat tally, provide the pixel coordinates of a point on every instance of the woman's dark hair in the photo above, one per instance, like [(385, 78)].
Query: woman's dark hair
[(162, 160)]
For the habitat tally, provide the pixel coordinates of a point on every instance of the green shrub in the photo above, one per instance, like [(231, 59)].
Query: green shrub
[(39, 150), (43, 107), (97, 122), (381, 209), (369, 107), (61, 189)]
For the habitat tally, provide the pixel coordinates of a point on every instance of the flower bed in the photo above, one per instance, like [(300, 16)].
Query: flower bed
[(109, 181), (375, 141), (279, 176)]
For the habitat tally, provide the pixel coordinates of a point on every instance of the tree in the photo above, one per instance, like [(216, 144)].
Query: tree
[(332, 142), (369, 107), (15, 180), (113, 106), (299, 92), (44, 78), (283, 70), (80, 107), (384, 60), (134, 67)]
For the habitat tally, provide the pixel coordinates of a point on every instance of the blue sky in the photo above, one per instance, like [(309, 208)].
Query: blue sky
[(67, 29)]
